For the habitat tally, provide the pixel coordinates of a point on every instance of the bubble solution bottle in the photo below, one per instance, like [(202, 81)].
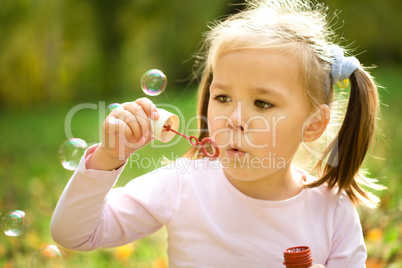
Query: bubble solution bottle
[(298, 257)]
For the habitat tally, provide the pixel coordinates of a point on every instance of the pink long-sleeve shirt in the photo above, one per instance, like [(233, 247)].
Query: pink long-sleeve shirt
[(209, 222)]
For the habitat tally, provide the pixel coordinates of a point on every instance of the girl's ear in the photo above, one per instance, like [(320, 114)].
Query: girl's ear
[(316, 123)]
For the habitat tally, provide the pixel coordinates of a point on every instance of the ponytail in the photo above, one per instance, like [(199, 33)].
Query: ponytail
[(342, 159)]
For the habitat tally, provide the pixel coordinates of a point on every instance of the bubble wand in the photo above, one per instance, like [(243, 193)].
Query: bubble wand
[(195, 142), (165, 127)]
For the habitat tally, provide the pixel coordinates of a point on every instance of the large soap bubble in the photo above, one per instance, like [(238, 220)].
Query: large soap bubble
[(13, 224), (70, 153), (153, 82)]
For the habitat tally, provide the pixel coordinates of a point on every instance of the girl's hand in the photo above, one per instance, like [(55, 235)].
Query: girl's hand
[(125, 130)]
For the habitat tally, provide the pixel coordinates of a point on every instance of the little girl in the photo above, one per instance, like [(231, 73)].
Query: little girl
[(267, 85)]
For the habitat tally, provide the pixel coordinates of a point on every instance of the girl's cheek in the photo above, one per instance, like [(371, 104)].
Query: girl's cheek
[(220, 135), (261, 140)]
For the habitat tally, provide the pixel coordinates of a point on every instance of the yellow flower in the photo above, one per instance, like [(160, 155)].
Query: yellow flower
[(374, 235), (160, 263), (124, 252)]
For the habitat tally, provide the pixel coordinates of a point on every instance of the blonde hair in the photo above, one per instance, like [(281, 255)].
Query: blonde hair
[(300, 29)]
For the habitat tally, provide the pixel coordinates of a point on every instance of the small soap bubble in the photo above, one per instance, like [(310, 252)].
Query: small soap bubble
[(153, 82), (70, 153), (111, 107), (48, 256), (13, 224)]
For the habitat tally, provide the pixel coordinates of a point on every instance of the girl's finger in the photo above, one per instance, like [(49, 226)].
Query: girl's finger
[(115, 125), (141, 118), (149, 107), (119, 138), (131, 120)]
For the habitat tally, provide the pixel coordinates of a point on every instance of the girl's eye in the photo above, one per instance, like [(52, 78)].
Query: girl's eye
[(263, 104), (222, 98)]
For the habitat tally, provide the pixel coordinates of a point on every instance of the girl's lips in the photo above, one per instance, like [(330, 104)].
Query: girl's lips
[(235, 153)]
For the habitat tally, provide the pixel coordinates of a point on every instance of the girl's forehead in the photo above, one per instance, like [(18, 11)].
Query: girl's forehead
[(257, 66), (258, 58)]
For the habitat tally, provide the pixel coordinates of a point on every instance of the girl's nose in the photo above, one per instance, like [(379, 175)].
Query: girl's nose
[(241, 128), (235, 120)]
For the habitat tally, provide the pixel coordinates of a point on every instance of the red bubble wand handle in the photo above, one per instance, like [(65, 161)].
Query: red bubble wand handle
[(195, 142)]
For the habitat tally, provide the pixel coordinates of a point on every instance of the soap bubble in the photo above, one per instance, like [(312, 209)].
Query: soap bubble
[(153, 82), (111, 107), (13, 224), (70, 153), (48, 256)]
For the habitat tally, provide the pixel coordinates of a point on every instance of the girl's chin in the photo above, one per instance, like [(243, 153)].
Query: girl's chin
[(245, 174)]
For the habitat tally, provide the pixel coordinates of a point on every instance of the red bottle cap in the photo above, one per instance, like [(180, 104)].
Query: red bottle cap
[(298, 257)]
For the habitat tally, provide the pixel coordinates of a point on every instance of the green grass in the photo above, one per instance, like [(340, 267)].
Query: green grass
[(33, 179)]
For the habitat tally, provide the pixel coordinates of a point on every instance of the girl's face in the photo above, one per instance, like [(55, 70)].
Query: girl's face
[(256, 112)]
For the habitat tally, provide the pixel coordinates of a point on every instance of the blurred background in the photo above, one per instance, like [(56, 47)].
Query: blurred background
[(55, 55)]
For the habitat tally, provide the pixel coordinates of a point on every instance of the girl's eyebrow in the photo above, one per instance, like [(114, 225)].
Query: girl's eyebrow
[(219, 86), (269, 91), (258, 90)]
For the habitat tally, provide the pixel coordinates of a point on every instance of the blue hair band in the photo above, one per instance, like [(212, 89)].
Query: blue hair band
[(342, 67)]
